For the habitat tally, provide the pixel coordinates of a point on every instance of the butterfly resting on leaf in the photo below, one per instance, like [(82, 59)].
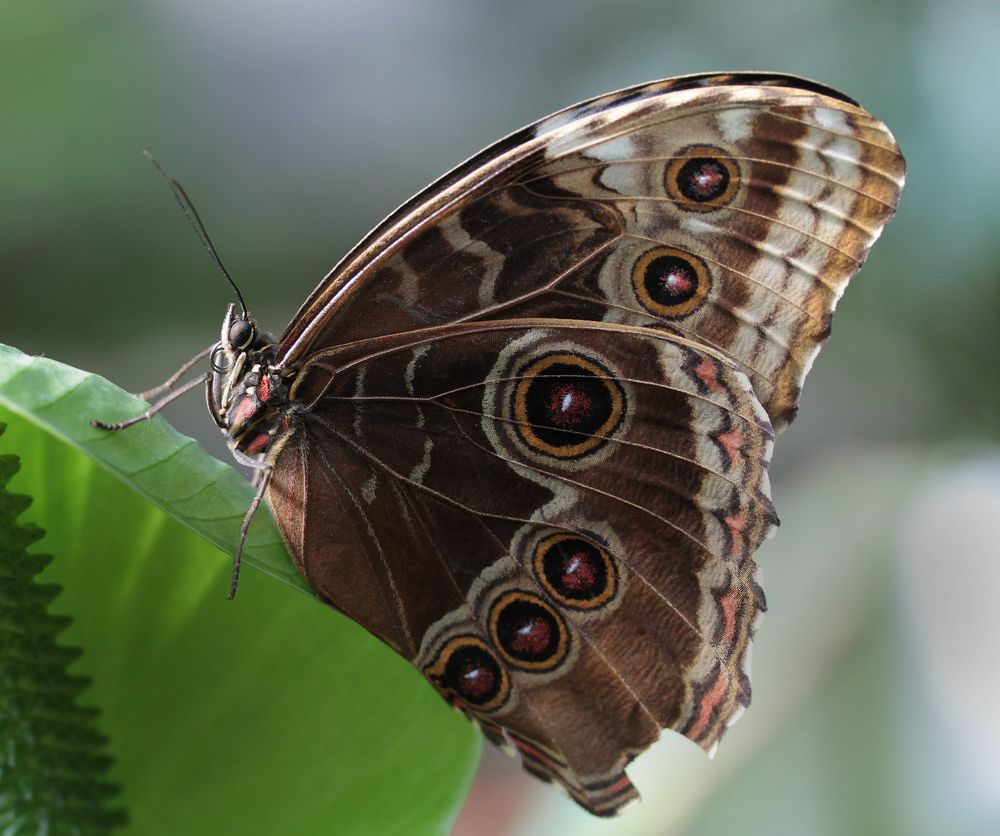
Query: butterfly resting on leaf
[(521, 432)]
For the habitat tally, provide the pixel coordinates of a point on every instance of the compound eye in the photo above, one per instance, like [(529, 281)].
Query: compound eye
[(219, 360), (241, 334)]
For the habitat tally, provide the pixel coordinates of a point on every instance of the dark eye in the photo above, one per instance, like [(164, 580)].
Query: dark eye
[(240, 334), (219, 361)]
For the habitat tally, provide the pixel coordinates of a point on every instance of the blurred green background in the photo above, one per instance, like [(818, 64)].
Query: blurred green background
[(296, 126)]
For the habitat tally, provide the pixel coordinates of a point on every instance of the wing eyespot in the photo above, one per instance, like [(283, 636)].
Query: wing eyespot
[(469, 671), (575, 572), (702, 178), (566, 405), (670, 282), (528, 632)]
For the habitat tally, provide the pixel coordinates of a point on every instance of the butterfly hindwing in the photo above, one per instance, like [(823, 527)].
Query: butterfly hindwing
[(571, 507)]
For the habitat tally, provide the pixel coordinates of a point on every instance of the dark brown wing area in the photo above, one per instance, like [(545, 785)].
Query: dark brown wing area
[(553, 520)]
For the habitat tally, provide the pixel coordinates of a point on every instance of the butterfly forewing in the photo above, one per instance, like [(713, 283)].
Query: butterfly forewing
[(596, 213), (531, 414)]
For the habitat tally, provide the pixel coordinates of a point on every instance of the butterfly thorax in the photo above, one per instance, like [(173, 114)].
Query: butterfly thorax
[(247, 392)]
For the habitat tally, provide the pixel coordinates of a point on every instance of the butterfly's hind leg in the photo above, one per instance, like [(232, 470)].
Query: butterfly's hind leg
[(265, 477)]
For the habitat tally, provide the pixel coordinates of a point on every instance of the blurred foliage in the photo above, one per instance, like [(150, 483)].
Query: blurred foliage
[(296, 126), (54, 764)]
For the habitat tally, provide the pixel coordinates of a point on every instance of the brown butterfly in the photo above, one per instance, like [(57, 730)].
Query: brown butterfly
[(521, 432)]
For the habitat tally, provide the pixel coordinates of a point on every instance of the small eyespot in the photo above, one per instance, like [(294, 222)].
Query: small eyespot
[(575, 572), (702, 178), (467, 669), (529, 633), (241, 334), (671, 282), (219, 360)]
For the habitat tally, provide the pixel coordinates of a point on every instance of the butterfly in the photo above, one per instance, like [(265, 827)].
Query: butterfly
[(521, 432)]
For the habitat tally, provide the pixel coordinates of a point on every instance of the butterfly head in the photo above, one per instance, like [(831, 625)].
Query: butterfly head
[(245, 392)]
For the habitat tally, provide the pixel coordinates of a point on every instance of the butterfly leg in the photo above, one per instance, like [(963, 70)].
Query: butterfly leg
[(257, 476), (156, 407), (238, 557), (171, 381)]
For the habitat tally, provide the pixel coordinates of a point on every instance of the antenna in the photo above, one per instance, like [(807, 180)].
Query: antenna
[(192, 215)]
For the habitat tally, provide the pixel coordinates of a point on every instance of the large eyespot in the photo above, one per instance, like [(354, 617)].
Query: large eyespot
[(219, 360), (702, 178), (241, 334), (670, 282), (566, 405), (575, 571), (467, 668), (530, 634)]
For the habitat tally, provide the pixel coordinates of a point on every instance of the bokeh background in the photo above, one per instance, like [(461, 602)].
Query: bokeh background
[(296, 126)]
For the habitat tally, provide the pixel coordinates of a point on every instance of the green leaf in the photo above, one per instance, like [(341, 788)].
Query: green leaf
[(270, 714), (167, 468)]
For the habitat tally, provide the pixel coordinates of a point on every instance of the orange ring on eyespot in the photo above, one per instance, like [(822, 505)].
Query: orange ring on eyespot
[(576, 572), (467, 668), (671, 282), (586, 423), (528, 632), (702, 178)]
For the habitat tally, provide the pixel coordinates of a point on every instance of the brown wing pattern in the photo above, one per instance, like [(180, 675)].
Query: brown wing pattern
[(532, 411), (733, 214), (571, 509)]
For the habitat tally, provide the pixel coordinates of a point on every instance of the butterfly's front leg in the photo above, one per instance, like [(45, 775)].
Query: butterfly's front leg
[(171, 381), (166, 386)]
